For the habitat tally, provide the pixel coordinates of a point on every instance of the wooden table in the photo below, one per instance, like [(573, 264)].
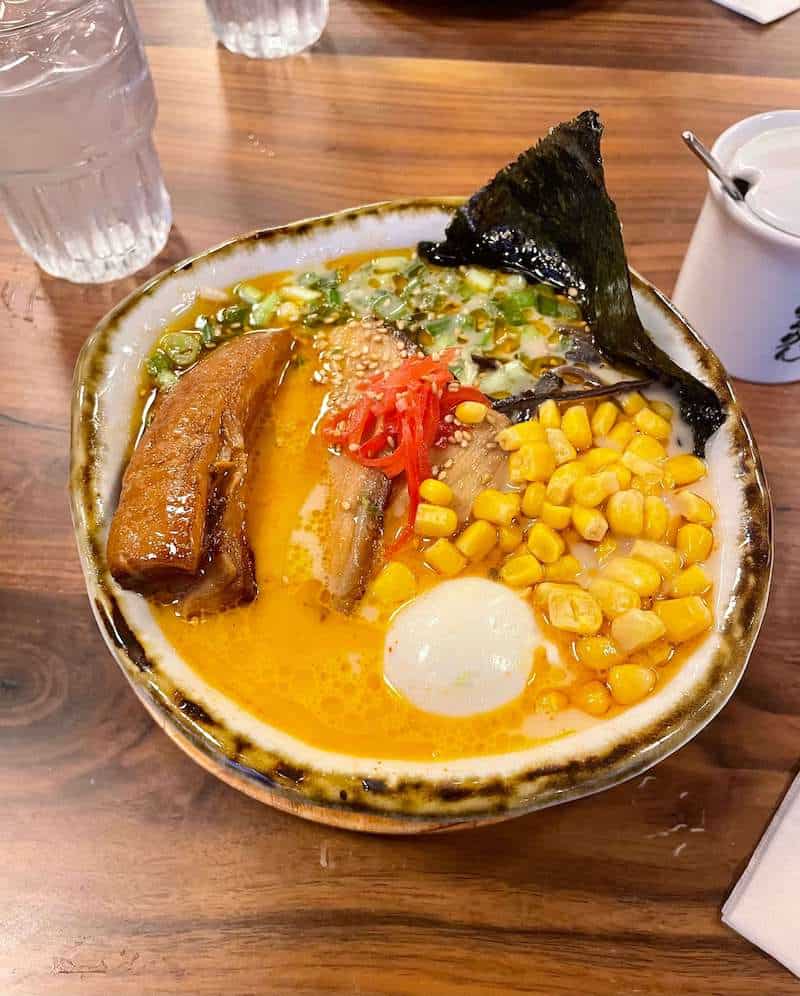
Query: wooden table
[(126, 869)]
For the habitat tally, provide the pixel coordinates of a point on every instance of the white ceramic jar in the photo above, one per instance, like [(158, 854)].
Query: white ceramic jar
[(740, 281)]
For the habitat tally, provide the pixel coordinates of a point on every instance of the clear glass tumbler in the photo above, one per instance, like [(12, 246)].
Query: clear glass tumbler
[(80, 181), (268, 29)]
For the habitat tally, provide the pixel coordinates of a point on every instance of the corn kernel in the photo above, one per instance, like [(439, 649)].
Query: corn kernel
[(694, 508), (685, 469), (562, 448), (592, 490), (545, 543), (625, 513), (590, 523), (575, 426), (566, 568), (614, 598), (622, 433), (593, 697), (499, 507), (663, 409), (396, 583), (544, 589), (515, 436), (575, 612), (532, 499), (471, 412), (694, 543), (598, 458), (632, 403), (637, 574), (477, 540), (531, 462), (597, 652), (435, 520), (684, 618), (651, 485), (664, 558), (510, 538), (560, 485), (557, 516), (630, 683), (549, 415), (655, 654), (673, 526), (521, 571), (692, 581), (623, 475), (647, 448), (656, 518), (553, 700), (652, 425), (605, 415), (436, 492), (605, 548), (445, 558), (641, 467)]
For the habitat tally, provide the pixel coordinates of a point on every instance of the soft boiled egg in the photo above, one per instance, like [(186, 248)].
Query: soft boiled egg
[(466, 646)]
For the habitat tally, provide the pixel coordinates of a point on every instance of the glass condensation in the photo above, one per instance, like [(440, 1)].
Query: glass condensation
[(80, 181), (268, 29)]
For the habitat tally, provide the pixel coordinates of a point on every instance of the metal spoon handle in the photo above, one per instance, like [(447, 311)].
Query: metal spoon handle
[(712, 164)]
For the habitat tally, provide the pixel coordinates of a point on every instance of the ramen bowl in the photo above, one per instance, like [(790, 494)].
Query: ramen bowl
[(385, 794)]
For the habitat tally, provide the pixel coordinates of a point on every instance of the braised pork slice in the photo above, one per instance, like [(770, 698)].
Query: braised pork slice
[(180, 526), (473, 461), (357, 496)]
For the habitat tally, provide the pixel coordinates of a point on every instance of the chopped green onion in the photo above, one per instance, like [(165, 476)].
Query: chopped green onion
[(166, 379), (261, 312), (299, 294), (479, 279), (249, 293), (441, 326), (309, 279), (232, 314), (547, 305), (182, 348), (388, 264), (569, 309), (158, 362)]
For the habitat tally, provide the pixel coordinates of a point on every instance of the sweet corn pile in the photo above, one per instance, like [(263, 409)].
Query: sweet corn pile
[(600, 527)]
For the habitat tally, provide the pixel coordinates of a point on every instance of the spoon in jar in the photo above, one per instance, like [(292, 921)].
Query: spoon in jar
[(736, 188)]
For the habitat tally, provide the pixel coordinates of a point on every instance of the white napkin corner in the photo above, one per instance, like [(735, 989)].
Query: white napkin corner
[(763, 11), (764, 906)]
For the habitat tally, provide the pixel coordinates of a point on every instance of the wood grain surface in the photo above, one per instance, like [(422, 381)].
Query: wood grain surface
[(126, 869)]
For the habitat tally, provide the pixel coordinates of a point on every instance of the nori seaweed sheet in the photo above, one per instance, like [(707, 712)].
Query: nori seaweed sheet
[(549, 217)]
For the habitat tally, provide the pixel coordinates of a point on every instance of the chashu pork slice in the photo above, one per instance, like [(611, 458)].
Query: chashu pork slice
[(180, 527), (357, 496), (474, 463)]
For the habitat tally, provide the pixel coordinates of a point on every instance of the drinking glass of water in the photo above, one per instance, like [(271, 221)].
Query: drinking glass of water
[(268, 29), (80, 181)]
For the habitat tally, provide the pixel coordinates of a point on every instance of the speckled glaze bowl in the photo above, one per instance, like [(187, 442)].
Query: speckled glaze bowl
[(388, 795)]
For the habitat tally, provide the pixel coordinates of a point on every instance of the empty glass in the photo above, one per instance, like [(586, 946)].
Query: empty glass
[(80, 181), (268, 29)]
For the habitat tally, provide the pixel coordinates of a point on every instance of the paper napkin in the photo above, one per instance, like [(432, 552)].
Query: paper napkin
[(765, 905), (762, 11)]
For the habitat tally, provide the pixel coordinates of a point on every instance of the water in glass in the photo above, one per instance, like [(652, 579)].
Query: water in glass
[(268, 29), (80, 181)]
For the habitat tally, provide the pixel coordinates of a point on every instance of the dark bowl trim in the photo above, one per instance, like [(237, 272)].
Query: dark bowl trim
[(420, 803)]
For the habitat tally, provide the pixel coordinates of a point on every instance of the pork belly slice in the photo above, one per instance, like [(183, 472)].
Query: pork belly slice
[(357, 496), (179, 531)]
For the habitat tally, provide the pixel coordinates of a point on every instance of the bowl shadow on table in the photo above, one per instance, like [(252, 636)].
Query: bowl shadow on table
[(77, 308)]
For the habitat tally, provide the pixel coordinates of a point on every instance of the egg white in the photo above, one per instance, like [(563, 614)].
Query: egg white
[(464, 647)]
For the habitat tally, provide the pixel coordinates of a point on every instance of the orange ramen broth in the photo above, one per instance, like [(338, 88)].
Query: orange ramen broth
[(314, 673)]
